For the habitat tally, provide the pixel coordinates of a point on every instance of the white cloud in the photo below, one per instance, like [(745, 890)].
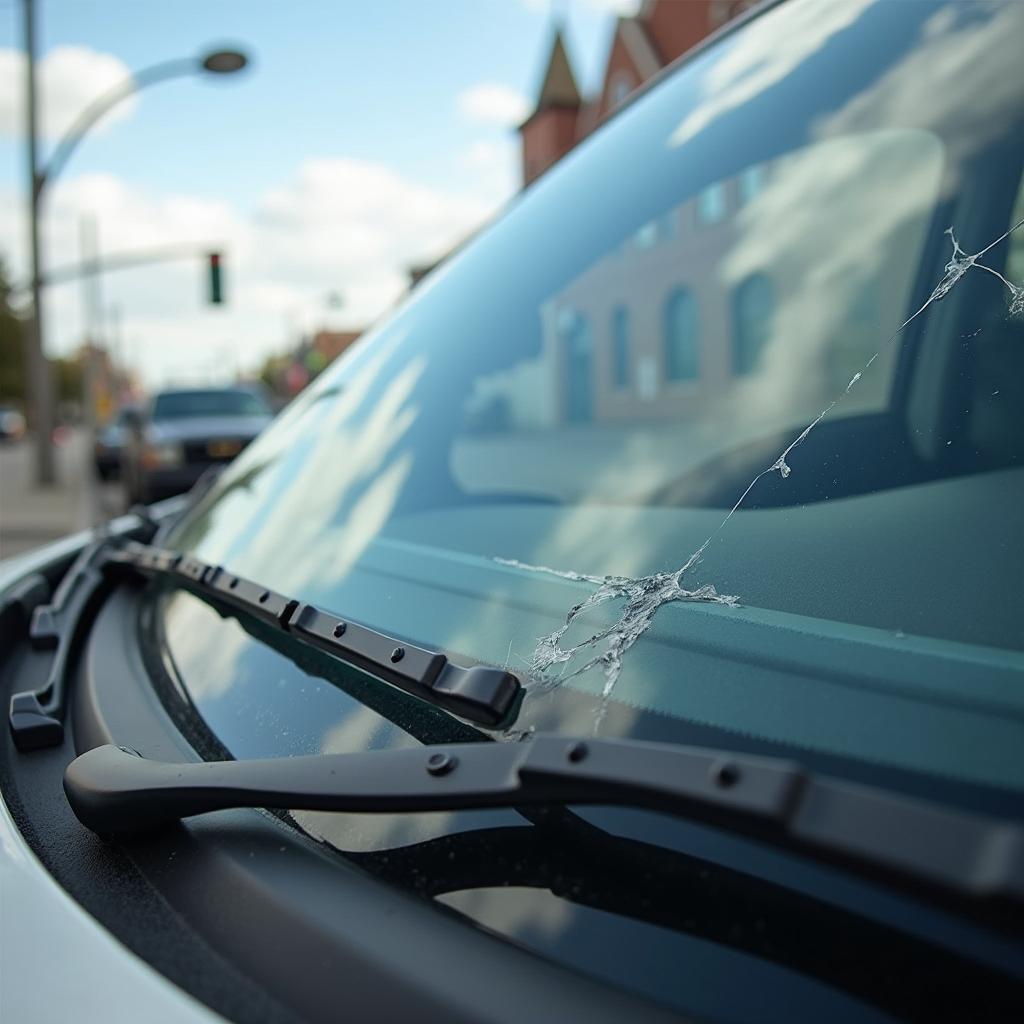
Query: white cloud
[(495, 104), (493, 165), (750, 66), (335, 225), (621, 8), (69, 77), (950, 50)]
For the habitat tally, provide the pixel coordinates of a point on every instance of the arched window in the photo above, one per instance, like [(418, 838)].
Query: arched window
[(711, 204), (620, 348), (579, 359), (682, 359), (753, 307), (621, 87)]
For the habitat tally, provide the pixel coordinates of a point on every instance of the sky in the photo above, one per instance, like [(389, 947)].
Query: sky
[(363, 138)]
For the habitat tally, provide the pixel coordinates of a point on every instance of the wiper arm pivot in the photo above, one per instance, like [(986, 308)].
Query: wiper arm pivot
[(115, 791)]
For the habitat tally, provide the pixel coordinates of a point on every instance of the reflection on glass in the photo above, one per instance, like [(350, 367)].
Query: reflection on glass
[(682, 336), (751, 182), (586, 390), (711, 204), (620, 347), (753, 305)]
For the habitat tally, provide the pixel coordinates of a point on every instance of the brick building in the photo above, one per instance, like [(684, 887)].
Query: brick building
[(641, 46)]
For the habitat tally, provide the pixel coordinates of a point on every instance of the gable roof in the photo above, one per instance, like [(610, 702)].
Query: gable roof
[(559, 87), (638, 45)]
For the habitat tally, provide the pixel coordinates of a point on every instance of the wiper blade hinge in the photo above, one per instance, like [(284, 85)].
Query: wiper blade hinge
[(115, 791), (36, 716)]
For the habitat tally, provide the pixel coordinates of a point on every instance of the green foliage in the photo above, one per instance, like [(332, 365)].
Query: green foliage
[(12, 345), (68, 379), (13, 369)]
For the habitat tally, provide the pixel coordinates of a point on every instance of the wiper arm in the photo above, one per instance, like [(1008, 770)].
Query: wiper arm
[(115, 791), (478, 693)]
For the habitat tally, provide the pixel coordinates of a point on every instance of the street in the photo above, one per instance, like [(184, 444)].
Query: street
[(31, 516)]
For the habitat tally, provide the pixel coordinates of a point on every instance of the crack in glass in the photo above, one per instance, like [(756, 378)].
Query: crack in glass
[(549, 664)]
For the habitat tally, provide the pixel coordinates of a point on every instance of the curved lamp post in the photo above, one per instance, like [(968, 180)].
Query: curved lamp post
[(220, 62)]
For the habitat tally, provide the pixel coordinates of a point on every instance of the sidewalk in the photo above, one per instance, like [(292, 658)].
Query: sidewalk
[(32, 516)]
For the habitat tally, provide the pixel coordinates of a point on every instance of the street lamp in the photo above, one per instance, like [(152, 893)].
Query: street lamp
[(225, 62), (40, 383)]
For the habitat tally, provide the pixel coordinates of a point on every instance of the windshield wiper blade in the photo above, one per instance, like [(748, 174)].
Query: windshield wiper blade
[(478, 693), (115, 791)]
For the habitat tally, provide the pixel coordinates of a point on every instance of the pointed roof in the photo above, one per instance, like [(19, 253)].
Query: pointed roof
[(559, 87)]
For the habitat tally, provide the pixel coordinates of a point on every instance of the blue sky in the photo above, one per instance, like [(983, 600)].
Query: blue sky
[(349, 108)]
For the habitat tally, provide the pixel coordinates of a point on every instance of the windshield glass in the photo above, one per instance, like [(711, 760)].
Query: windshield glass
[(176, 405), (715, 437)]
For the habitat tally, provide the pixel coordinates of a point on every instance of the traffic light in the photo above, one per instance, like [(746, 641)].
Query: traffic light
[(216, 284)]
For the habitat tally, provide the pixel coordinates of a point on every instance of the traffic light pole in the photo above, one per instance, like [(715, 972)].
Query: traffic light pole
[(138, 258)]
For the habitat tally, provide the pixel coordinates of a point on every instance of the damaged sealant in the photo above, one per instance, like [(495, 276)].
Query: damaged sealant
[(643, 596)]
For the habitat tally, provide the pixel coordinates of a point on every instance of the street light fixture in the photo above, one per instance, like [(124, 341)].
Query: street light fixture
[(225, 62), (40, 379)]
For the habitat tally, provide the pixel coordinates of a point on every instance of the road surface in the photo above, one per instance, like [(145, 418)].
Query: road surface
[(31, 516)]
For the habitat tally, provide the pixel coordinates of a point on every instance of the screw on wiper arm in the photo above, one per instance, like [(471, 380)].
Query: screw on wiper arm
[(114, 791)]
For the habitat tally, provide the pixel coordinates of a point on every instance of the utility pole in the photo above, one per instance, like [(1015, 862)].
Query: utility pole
[(92, 305), (118, 354), (40, 376)]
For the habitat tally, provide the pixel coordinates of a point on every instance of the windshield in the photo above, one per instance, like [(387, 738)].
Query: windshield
[(176, 405), (716, 437)]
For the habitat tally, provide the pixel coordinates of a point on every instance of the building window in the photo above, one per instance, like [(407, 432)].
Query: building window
[(752, 182), (646, 236), (711, 204), (682, 360), (578, 392), (621, 87), (753, 310), (620, 348)]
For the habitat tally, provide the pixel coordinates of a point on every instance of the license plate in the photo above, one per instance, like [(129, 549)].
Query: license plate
[(223, 449)]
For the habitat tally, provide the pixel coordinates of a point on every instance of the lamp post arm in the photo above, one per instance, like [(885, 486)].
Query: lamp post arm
[(104, 102)]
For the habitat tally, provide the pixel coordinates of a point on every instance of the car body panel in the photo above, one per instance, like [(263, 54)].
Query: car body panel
[(58, 962)]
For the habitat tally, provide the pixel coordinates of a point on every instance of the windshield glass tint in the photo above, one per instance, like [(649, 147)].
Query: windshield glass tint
[(716, 437), (175, 405)]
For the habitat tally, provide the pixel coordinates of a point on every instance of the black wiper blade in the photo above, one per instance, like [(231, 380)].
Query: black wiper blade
[(478, 693), (115, 791)]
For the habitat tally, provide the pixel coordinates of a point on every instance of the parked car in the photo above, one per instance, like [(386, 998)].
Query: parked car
[(12, 424), (110, 442), (182, 433), (755, 484)]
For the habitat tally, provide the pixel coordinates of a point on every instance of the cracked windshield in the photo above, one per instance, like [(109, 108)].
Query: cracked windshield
[(716, 436)]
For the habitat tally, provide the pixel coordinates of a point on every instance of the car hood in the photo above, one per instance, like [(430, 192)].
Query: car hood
[(201, 427)]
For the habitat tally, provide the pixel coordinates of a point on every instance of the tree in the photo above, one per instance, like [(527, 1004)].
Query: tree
[(12, 345), (68, 373)]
